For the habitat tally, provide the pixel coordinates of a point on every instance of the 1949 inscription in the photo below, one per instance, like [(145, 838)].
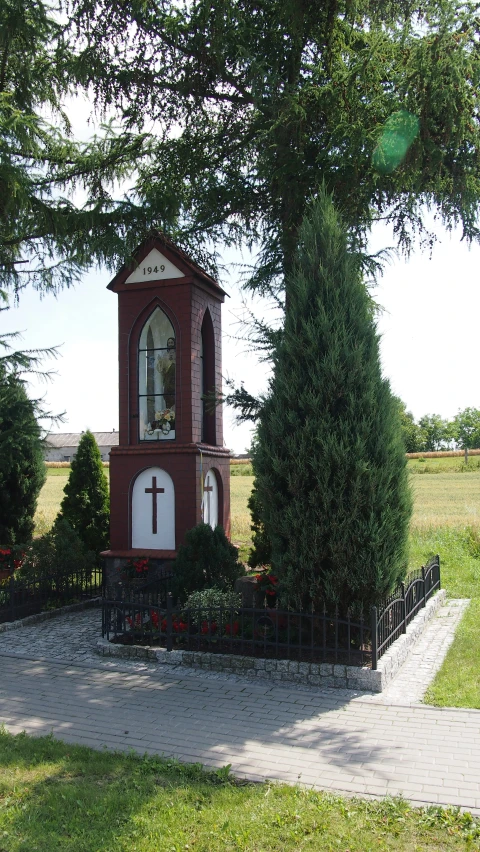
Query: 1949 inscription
[(147, 270)]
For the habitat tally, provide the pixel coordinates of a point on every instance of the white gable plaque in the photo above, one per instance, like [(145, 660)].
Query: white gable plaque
[(154, 267)]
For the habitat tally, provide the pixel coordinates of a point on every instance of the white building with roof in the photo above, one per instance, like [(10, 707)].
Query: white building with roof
[(62, 446)]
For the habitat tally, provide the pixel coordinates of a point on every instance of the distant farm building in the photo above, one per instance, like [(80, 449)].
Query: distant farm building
[(62, 446)]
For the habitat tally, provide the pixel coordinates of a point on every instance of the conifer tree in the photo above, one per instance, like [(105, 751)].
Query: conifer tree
[(22, 467), (330, 462), (86, 502)]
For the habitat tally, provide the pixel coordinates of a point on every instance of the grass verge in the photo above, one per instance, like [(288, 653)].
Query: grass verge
[(457, 684), (57, 796)]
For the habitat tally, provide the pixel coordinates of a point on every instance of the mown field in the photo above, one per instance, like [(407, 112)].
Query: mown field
[(441, 499), (446, 520)]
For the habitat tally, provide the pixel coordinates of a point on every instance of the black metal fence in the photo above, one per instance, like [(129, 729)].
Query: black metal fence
[(149, 617), (391, 619), (27, 595), (246, 631)]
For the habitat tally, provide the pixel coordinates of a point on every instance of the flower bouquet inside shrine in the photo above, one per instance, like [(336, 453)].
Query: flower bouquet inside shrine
[(164, 422)]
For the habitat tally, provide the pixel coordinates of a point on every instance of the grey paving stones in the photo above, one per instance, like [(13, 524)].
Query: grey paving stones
[(355, 743)]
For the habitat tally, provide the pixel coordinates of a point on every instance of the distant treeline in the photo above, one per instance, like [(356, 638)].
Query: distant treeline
[(432, 433)]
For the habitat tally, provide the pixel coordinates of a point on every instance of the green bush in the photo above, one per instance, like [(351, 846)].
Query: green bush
[(206, 559), (205, 598), (86, 502), (22, 469), (57, 554)]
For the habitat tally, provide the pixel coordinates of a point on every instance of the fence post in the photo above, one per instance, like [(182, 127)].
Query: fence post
[(404, 628), (12, 593), (373, 623), (169, 621), (438, 560), (424, 586)]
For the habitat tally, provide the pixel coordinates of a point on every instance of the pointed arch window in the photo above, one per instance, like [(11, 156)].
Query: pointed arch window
[(207, 383), (157, 379)]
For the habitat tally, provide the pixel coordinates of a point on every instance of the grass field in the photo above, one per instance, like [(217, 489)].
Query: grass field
[(63, 797), (442, 499), (446, 520), (444, 465)]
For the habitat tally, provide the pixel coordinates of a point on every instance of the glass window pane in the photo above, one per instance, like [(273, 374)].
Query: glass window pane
[(156, 379), (156, 331)]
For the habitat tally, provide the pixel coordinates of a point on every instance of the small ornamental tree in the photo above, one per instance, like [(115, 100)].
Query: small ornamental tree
[(206, 560), (86, 502), (22, 468), (330, 461)]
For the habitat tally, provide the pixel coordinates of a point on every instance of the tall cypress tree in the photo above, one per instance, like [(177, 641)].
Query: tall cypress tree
[(86, 502), (330, 462)]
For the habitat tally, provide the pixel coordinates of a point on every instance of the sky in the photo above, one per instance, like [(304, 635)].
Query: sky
[(429, 338)]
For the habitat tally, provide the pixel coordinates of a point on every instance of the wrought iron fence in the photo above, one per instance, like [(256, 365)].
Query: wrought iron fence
[(21, 595), (392, 618), (247, 631), (149, 617)]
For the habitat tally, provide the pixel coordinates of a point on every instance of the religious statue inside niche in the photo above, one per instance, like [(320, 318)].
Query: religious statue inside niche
[(166, 367), (157, 378), (163, 420)]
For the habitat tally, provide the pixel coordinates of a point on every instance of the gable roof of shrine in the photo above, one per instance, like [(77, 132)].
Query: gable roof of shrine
[(184, 263)]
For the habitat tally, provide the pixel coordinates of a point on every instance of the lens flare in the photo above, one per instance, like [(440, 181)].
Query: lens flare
[(399, 131)]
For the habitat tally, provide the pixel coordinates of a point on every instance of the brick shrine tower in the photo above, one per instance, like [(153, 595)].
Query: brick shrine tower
[(170, 470)]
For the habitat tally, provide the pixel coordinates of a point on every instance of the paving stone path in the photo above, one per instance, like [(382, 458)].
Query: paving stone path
[(426, 657), (356, 743)]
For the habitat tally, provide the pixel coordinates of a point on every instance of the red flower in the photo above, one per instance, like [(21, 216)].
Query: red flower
[(154, 618), (270, 591), (206, 629), (232, 629), (163, 626)]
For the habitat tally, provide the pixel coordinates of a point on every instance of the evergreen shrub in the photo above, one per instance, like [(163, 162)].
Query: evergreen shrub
[(57, 555), (329, 459), (86, 504), (22, 468), (206, 559)]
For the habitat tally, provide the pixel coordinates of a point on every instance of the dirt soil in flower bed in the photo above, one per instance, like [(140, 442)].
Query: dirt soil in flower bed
[(260, 652)]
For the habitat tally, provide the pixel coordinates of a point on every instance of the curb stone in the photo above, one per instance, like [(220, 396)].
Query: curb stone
[(312, 674)]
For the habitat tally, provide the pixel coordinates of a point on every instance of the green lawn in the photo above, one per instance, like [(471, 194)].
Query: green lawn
[(70, 798)]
